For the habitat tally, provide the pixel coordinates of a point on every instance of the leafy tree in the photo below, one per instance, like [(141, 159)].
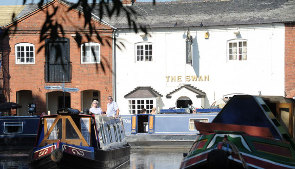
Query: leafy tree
[(105, 8)]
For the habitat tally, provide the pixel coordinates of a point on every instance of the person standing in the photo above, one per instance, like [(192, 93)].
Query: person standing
[(112, 108), (94, 108)]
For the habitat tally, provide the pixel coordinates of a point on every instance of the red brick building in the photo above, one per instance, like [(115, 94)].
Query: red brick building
[(290, 60), (36, 69)]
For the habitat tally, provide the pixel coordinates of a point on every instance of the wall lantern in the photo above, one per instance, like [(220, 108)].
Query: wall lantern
[(237, 33), (145, 36), (207, 35)]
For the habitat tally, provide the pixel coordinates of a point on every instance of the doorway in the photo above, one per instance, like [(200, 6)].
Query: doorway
[(183, 102), (23, 98), (56, 100)]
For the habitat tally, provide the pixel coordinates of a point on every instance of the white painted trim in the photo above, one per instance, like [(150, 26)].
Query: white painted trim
[(25, 44)]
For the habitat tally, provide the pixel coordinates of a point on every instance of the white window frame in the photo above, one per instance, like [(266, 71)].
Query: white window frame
[(91, 44), (144, 52), (24, 45), (145, 105), (240, 50)]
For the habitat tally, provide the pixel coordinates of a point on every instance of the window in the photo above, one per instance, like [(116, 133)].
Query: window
[(13, 127), (144, 52), (135, 105), (90, 53), (237, 50), (192, 123), (25, 53)]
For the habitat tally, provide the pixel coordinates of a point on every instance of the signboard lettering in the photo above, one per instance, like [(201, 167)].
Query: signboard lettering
[(53, 87), (187, 78)]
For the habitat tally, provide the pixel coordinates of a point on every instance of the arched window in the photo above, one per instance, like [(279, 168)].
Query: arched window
[(237, 49), (144, 52), (24, 53), (90, 53)]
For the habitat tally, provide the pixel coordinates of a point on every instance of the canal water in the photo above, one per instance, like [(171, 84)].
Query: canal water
[(139, 159)]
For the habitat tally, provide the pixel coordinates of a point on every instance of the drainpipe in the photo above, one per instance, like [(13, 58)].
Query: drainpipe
[(114, 67)]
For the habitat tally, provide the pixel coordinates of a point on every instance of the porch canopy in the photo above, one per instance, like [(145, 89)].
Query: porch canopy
[(143, 92)]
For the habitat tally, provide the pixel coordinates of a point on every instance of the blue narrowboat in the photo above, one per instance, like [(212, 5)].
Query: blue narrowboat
[(169, 126), (73, 140), (18, 132)]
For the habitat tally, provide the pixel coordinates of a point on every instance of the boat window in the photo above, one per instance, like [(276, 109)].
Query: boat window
[(192, 123), (57, 130), (110, 133), (119, 132), (115, 132), (102, 134), (13, 127), (85, 129), (70, 131)]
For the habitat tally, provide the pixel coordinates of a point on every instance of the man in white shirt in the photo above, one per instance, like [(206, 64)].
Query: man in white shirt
[(112, 108)]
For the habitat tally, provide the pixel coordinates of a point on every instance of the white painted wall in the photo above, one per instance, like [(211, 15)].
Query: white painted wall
[(262, 71)]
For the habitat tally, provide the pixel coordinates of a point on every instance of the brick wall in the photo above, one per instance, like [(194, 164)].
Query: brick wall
[(84, 76), (290, 60)]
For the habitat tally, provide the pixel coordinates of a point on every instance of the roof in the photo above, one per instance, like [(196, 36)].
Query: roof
[(6, 13), (198, 13), (200, 93), (31, 8), (143, 92), (247, 110)]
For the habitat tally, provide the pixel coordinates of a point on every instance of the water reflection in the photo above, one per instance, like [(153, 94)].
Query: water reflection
[(139, 159), (14, 161), (155, 158)]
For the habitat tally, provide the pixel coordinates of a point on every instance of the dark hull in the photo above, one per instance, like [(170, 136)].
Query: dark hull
[(103, 159), (229, 165)]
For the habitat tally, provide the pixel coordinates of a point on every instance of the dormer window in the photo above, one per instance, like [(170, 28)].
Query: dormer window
[(25, 53)]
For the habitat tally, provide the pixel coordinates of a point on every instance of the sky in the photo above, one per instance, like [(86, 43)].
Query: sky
[(20, 2)]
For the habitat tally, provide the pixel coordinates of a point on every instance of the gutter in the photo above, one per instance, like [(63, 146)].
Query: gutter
[(114, 66)]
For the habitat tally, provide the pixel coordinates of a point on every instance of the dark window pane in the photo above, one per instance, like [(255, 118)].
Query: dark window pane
[(70, 131)]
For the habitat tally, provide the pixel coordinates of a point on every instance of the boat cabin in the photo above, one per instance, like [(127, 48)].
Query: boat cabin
[(68, 129), (81, 130), (78, 141)]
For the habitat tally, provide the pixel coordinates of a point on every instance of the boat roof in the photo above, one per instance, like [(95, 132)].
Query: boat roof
[(247, 110)]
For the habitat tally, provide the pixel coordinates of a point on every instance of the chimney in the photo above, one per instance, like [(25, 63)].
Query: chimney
[(128, 2)]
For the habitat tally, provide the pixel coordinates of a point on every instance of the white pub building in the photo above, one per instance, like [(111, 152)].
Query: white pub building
[(199, 52)]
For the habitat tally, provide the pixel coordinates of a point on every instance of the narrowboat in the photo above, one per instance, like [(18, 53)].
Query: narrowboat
[(73, 140), (244, 135), (16, 132), (169, 127)]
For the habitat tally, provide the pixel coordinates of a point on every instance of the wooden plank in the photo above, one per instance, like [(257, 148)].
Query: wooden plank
[(288, 106), (63, 128), (250, 130)]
